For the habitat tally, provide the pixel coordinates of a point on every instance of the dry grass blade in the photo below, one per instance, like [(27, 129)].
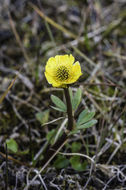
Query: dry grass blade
[(111, 54), (18, 38), (78, 154), (14, 160), (53, 23), (46, 164), (114, 25), (6, 92), (84, 56), (31, 32)]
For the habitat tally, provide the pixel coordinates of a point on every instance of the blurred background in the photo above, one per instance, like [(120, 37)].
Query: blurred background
[(94, 32)]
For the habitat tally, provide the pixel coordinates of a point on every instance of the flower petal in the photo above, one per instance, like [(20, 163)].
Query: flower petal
[(49, 77), (60, 70), (75, 73), (67, 60), (51, 63), (77, 69), (71, 58)]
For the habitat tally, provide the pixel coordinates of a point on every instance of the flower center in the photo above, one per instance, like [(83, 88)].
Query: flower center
[(62, 73)]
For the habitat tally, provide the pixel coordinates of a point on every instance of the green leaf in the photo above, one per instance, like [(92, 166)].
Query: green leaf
[(76, 146), (58, 102), (88, 124), (76, 163), (50, 136), (58, 109), (61, 162), (76, 99), (12, 145), (43, 117), (83, 126), (82, 116), (87, 117), (73, 132)]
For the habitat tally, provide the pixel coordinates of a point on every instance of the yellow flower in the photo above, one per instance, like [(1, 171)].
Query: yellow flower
[(60, 70)]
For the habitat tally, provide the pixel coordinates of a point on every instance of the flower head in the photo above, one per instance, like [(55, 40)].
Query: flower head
[(60, 70)]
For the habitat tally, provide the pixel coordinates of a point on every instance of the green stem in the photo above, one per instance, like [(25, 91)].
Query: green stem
[(69, 110), (50, 150)]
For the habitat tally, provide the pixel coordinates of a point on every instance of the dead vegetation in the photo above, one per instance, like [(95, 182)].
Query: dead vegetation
[(95, 33)]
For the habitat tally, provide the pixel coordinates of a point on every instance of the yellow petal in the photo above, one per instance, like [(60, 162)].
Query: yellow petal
[(57, 59), (71, 58), (67, 60), (75, 73), (51, 63), (77, 69), (64, 59), (62, 63), (48, 77), (51, 80)]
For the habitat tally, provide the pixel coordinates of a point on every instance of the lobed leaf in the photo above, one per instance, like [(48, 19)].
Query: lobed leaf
[(12, 145), (43, 116), (58, 109), (73, 132), (85, 117), (76, 163), (82, 116), (88, 124), (76, 146), (59, 103), (61, 162), (76, 99), (50, 136)]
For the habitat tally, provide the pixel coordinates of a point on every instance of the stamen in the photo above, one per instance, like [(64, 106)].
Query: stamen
[(62, 73)]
